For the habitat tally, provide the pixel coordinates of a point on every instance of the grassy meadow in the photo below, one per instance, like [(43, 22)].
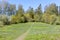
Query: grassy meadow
[(11, 32), (42, 31), (39, 31)]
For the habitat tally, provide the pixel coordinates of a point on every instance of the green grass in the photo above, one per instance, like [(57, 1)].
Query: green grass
[(11, 32), (42, 31), (39, 31)]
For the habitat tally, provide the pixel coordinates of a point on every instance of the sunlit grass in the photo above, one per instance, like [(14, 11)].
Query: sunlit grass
[(11, 32), (39, 31), (42, 31)]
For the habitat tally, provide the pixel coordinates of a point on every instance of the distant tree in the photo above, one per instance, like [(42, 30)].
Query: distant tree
[(59, 10), (53, 19), (20, 11), (51, 9), (4, 19), (39, 10), (50, 19), (20, 14), (38, 13), (5, 6), (58, 20), (0, 9), (30, 14), (14, 19), (50, 14), (12, 9), (46, 18), (8, 9)]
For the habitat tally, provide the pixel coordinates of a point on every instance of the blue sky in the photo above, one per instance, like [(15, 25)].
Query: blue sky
[(33, 3)]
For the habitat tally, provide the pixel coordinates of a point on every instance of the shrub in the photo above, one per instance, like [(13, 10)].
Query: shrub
[(37, 18), (58, 21), (4, 19), (53, 19), (28, 17), (1, 24), (14, 19), (46, 18), (22, 20)]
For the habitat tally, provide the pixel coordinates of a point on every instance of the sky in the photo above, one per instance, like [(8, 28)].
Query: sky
[(33, 3)]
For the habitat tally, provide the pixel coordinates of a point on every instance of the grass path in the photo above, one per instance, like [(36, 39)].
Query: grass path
[(23, 36)]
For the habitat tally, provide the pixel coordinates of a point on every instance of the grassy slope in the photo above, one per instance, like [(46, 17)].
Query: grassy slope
[(13, 31), (42, 31)]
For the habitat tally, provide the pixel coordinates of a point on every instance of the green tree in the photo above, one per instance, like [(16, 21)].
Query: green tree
[(46, 18), (53, 19), (20, 11), (4, 19), (0, 9), (50, 19), (30, 14), (20, 14), (51, 9), (12, 10), (58, 20), (38, 13), (14, 19), (50, 13), (5, 7)]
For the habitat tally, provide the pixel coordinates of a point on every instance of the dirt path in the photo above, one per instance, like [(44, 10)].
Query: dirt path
[(23, 36)]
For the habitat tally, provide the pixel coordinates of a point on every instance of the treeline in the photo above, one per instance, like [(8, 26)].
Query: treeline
[(10, 15)]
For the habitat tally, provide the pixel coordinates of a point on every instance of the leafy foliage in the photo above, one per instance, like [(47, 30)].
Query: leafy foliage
[(30, 14), (11, 15), (38, 14), (51, 9), (1, 24), (58, 20)]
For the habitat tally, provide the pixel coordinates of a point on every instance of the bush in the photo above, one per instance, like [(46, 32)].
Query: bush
[(4, 19), (46, 18), (58, 21), (53, 19), (28, 18), (14, 19), (37, 18), (50, 19), (1, 24), (22, 19)]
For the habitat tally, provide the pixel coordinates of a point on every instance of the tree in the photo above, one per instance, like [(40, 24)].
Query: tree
[(46, 18), (39, 10), (5, 6), (30, 14), (20, 14), (8, 9), (4, 19), (59, 10), (58, 20), (12, 10), (20, 11), (1, 22), (0, 9), (38, 13), (14, 19), (51, 9), (50, 19), (50, 13), (53, 19)]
